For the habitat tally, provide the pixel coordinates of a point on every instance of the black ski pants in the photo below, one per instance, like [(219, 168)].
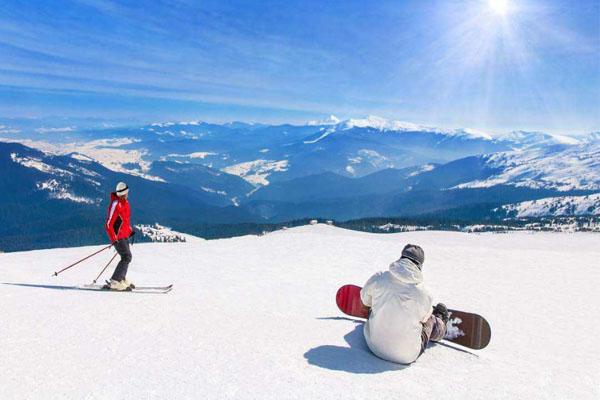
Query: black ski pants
[(122, 247)]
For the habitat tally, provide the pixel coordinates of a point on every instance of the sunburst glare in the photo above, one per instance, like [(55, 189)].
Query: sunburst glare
[(488, 51), (500, 7)]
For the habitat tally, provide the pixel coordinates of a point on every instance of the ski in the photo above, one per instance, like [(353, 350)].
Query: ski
[(137, 289), (121, 291), (168, 287)]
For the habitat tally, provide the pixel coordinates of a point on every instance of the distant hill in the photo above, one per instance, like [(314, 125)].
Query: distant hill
[(52, 200)]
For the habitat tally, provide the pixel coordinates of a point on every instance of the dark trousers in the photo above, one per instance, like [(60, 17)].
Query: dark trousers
[(122, 247), (434, 329)]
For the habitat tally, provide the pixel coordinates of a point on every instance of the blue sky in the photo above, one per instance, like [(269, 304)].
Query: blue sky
[(495, 65)]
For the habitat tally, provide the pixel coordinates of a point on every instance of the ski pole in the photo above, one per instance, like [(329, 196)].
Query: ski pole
[(83, 259), (104, 269)]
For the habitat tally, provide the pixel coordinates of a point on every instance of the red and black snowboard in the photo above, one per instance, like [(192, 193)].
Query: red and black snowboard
[(467, 329)]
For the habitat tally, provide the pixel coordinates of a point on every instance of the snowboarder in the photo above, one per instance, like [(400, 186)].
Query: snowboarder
[(402, 321), (119, 231)]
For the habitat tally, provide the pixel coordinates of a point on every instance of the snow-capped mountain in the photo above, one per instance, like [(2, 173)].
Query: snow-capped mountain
[(562, 168), (384, 124), (593, 137), (555, 206), (488, 180), (524, 139)]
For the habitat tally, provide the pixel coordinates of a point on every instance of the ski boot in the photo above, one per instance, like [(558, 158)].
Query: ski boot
[(128, 284), (115, 285)]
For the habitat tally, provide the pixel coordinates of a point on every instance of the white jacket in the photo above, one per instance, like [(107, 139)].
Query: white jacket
[(399, 304)]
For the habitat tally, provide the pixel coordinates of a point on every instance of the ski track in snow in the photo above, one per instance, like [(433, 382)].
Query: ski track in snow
[(255, 318)]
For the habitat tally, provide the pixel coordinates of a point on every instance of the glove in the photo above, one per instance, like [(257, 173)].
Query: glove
[(441, 311)]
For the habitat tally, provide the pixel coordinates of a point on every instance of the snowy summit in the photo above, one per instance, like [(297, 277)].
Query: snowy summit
[(255, 317), (384, 124)]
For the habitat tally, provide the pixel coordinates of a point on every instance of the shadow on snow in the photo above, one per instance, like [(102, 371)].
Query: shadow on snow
[(32, 285), (357, 358), (59, 287)]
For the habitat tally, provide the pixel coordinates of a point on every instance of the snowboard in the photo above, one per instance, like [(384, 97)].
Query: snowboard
[(467, 329)]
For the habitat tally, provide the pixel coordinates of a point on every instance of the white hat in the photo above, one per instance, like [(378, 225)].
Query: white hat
[(122, 189)]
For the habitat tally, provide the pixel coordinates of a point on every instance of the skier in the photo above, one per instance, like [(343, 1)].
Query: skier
[(402, 322), (119, 231)]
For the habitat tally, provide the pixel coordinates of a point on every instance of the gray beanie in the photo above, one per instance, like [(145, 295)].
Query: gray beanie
[(414, 253)]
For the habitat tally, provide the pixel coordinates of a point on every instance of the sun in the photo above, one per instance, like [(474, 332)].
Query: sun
[(500, 7)]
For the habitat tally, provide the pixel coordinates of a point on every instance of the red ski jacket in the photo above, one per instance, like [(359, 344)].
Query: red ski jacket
[(118, 224)]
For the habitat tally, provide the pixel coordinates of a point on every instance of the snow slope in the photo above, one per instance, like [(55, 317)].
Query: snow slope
[(556, 206), (256, 172), (561, 168), (255, 317)]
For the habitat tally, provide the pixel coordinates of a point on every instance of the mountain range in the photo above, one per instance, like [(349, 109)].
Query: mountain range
[(191, 173)]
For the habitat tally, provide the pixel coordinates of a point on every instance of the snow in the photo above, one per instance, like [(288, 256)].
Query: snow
[(402, 228), (210, 190), (592, 137), (470, 132), (452, 331), (36, 163), (107, 152), (81, 157), (556, 206), (170, 123), (60, 191), (371, 157), (255, 317), (84, 170), (563, 169), (162, 124), (164, 234), (198, 154), (201, 154), (381, 123), (532, 139), (384, 124), (422, 168), (325, 133), (256, 172)]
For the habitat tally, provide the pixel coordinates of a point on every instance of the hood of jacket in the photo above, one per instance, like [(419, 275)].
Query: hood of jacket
[(406, 271), (113, 196)]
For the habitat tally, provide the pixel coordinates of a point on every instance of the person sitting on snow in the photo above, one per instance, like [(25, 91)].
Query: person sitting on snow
[(402, 322), (118, 228)]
